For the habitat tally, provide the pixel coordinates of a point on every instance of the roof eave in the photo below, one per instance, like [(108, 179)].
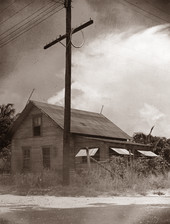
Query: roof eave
[(101, 137)]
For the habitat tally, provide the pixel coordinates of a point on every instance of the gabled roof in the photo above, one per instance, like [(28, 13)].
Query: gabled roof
[(82, 122)]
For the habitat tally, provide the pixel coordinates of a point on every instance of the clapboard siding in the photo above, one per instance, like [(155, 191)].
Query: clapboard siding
[(82, 142), (25, 130), (52, 137), (104, 146)]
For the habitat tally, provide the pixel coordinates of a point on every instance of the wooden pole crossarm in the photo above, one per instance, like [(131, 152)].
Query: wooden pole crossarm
[(65, 35)]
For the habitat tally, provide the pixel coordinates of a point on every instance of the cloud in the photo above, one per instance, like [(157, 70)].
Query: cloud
[(59, 98), (118, 15), (150, 114), (129, 76)]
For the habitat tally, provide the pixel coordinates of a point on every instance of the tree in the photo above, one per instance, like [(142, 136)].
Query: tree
[(7, 115), (160, 145)]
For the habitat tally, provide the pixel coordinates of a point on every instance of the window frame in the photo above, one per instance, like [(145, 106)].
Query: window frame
[(26, 159), (46, 160), (33, 125)]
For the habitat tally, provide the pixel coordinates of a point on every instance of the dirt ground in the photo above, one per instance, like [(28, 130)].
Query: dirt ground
[(153, 209), (11, 201)]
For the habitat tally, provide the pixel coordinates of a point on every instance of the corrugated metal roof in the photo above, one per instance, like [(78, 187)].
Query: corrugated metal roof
[(83, 152), (148, 153), (121, 151), (83, 122), (130, 143)]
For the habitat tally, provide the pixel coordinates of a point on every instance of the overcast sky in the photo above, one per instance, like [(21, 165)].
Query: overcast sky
[(124, 63)]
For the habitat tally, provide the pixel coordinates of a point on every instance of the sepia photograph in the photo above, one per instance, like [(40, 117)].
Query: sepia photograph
[(84, 111)]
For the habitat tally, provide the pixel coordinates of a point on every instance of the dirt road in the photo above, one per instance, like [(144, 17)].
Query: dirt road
[(72, 210)]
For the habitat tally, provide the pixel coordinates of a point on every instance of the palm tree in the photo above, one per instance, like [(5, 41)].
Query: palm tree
[(7, 111), (160, 145), (140, 137)]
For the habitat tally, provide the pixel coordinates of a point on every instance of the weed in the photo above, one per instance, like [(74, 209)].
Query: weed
[(4, 221), (158, 193), (127, 180)]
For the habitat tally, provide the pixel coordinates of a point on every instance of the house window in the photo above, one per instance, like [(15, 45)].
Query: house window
[(26, 159), (37, 122), (46, 157)]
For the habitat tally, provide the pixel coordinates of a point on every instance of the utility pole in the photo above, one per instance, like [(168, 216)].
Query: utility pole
[(67, 106)]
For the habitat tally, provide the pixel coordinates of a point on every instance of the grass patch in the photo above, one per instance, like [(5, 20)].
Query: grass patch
[(99, 182), (126, 180), (5, 221)]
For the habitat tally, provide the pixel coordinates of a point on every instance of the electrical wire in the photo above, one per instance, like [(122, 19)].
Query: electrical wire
[(81, 45), (25, 20), (146, 11), (157, 8), (7, 7), (70, 40), (3, 21), (59, 1), (7, 41), (125, 4), (28, 28), (3, 44), (9, 35), (122, 2)]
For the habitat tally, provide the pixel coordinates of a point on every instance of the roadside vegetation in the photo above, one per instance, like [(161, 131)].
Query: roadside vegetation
[(7, 117), (126, 177), (139, 178)]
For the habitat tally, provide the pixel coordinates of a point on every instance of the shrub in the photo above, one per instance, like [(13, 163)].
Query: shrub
[(138, 177), (145, 166)]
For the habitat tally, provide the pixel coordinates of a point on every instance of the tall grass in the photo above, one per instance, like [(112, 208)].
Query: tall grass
[(127, 179), (30, 183), (100, 182), (138, 177)]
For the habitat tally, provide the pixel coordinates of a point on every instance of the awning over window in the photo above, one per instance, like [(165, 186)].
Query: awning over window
[(83, 152), (148, 153), (122, 151)]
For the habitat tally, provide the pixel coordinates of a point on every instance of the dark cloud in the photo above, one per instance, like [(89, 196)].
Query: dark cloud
[(127, 14), (25, 65), (161, 5)]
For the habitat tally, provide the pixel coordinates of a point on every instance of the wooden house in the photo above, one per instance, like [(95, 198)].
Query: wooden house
[(37, 137)]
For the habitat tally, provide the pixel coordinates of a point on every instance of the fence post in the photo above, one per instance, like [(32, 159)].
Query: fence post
[(88, 159)]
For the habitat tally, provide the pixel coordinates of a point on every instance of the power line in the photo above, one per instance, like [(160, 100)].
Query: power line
[(3, 21), (26, 22), (22, 32), (157, 8), (29, 17), (29, 28), (125, 4), (146, 11), (7, 7), (9, 35)]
